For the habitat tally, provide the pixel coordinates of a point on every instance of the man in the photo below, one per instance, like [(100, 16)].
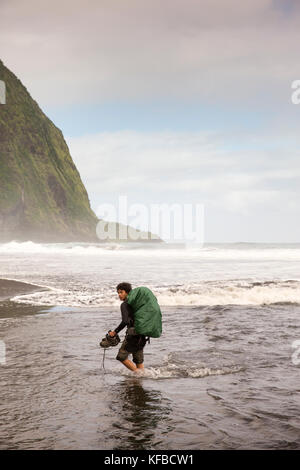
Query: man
[(133, 343)]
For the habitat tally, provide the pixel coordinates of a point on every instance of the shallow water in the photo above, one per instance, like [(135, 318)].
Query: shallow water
[(224, 374), (220, 377), (86, 275)]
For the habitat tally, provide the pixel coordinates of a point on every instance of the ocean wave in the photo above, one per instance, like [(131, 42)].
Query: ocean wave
[(59, 248), (178, 366), (250, 252), (167, 372), (210, 293), (231, 293)]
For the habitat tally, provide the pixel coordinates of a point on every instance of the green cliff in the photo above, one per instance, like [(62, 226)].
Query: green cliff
[(42, 197)]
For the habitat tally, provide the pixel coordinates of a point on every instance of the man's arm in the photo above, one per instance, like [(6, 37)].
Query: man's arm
[(125, 310)]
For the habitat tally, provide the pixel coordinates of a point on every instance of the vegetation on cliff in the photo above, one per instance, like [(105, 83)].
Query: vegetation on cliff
[(42, 196)]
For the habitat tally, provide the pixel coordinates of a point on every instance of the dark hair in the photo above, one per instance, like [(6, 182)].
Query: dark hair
[(124, 286)]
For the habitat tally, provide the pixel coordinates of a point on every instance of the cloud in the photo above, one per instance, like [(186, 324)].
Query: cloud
[(217, 56), (91, 51), (184, 166)]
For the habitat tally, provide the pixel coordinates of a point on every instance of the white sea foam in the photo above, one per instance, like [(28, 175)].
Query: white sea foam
[(83, 274), (172, 371), (58, 248), (231, 292), (230, 252), (199, 294)]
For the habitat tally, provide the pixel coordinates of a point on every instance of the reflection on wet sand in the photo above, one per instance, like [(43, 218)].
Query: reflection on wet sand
[(137, 415), (10, 288)]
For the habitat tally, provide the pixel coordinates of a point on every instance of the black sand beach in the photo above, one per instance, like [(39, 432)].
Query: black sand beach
[(8, 290)]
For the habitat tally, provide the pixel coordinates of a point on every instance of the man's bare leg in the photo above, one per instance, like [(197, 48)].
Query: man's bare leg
[(140, 366), (129, 364)]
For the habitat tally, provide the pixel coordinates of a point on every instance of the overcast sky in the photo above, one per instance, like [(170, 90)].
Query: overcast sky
[(172, 101)]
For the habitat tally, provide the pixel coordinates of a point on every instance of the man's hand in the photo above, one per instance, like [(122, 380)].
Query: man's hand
[(112, 333)]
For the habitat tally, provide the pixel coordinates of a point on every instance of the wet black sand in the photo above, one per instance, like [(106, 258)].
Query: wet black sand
[(8, 290)]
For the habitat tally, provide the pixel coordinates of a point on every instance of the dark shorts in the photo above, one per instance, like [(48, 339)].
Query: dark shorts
[(132, 345)]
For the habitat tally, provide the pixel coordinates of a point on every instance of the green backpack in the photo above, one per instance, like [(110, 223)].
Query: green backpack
[(147, 314)]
